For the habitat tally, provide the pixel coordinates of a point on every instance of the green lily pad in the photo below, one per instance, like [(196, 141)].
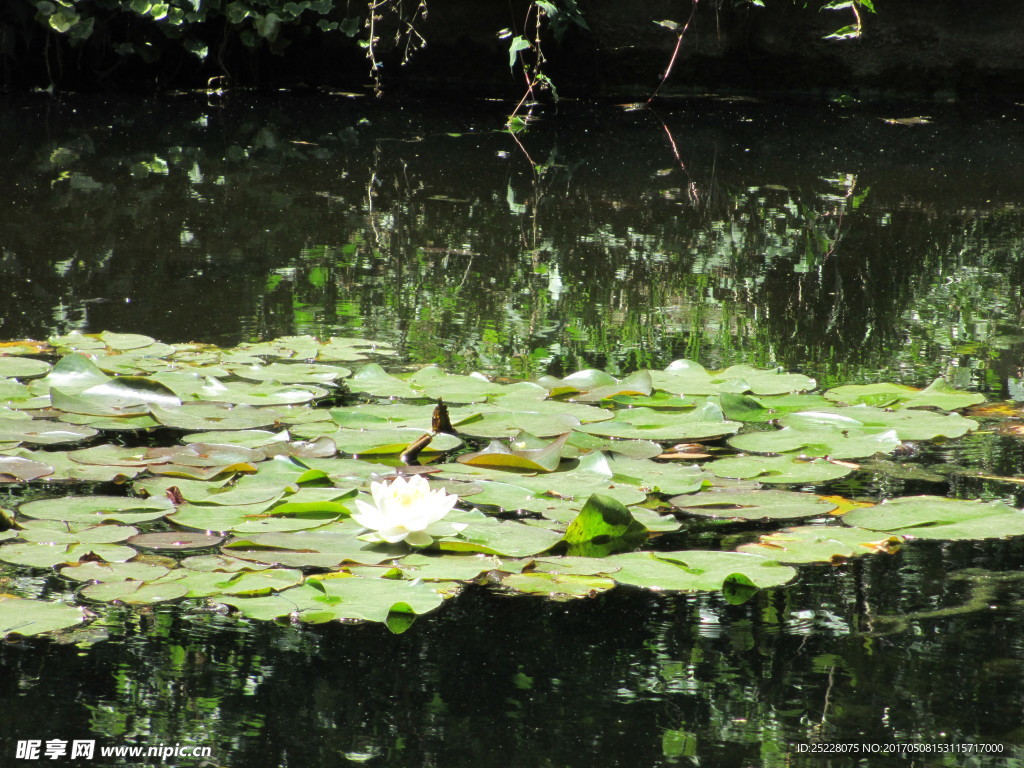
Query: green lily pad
[(453, 388), (174, 542), (908, 424), (498, 454), (373, 380), (243, 583), (686, 377), (42, 432), (22, 367), (603, 520), (73, 372), (557, 585), (291, 373), (103, 572), (825, 441), (754, 505), (938, 394), (97, 509), (704, 421), (125, 340), (821, 543), (581, 381), (197, 417), (260, 608), (16, 469), (494, 537), (498, 424), (261, 393), (314, 549), (648, 476), (134, 592), (32, 555), (937, 517), (352, 597), (580, 443), (697, 570), (448, 567), (388, 441), (777, 469), (35, 617), (65, 469), (60, 532)]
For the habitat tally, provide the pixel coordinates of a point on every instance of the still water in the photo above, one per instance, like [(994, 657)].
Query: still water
[(828, 239)]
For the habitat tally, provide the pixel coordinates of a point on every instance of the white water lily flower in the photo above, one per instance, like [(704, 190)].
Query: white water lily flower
[(406, 510)]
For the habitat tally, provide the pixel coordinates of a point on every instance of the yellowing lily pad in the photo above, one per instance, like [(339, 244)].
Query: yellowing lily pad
[(821, 543)]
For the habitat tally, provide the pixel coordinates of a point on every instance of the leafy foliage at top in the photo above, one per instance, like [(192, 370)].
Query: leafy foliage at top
[(247, 463)]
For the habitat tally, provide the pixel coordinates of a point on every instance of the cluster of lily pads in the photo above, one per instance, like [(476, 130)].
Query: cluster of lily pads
[(251, 477)]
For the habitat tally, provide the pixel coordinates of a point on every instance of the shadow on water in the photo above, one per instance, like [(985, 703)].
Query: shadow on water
[(824, 239)]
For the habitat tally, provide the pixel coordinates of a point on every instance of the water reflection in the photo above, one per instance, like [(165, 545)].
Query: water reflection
[(819, 238)]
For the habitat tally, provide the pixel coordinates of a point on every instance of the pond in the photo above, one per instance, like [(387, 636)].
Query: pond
[(849, 243)]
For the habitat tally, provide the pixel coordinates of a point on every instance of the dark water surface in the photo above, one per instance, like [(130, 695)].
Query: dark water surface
[(820, 238)]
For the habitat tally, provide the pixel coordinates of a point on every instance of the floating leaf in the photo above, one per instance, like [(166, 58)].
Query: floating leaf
[(97, 509), (22, 367), (353, 597), (15, 469), (388, 441), (32, 555), (374, 380), (42, 432), (497, 538), (211, 416), (754, 505), (936, 517), (498, 424), (174, 542), (241, 583), (825, 441), (938, 394), (648, 424), (125, 340), (686, 377), (820, 543), (103, 572), (319, 549), (134, 592), (291, 373), (777, 469), (498, 454), (603, 520), (908, 424), (557, 585), (448, 567), (73, 372), (34, 617), (696, 570)]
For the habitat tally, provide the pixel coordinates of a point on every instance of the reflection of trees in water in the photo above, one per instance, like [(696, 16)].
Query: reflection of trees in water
[(609, 247), (595, 682)]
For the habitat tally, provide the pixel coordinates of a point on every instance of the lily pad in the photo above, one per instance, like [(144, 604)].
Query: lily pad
[(498, 454), (32, 555), (102, 572), (134, 592), (330, 599), (648, 424), (35, 617), (826, 441), (938, 394), (211, 416), (603, 520), (937, 517), (697, 570), (374, 380), (42, 432), (777, 469), (15, 469), (754, 505), (97, 509), (388, 441), (315, 549), (821, 543), (22, 367), (908, 424), (174, 542), (557, 585)]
